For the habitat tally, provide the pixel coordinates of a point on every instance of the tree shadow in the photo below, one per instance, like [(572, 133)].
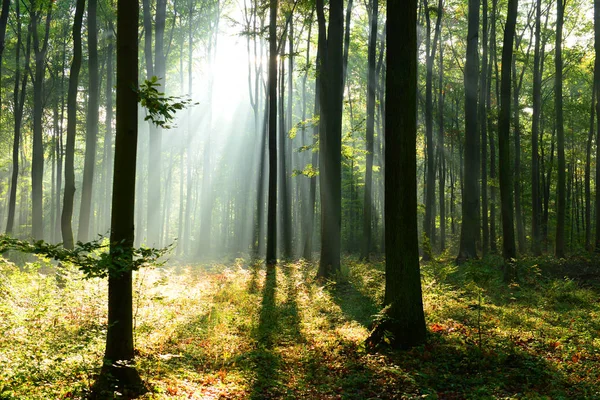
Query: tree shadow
[(451, 365), (355, 305), (266, 361)]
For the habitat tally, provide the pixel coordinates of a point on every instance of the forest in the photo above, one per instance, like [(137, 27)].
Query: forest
[(299, 199)]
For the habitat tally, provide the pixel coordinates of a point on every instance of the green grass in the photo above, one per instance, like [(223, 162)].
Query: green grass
[(229, 331)]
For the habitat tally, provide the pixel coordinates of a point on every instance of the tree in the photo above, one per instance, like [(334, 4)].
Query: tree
[(330, 141), (403, 298), (19, 102), (272, 196), (91, 133), (119, 338), (560, 132), (40, 49), (429, 225), (536, 204), (469, 233), (597, 89), (483, 122), (67, 212), (371, 86), (506, 185)]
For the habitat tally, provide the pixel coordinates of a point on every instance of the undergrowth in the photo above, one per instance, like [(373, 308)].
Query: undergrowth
[(229, 331)]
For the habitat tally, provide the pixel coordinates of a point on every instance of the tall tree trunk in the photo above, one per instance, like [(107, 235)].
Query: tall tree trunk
[(469, 233), (19, 101), (492, 141), (560, 132), (536, 208), (119, 337), (441, 149), (597, 89), (402, 277), (588, 177), (317, 128), (285, 211), (271, 257), (91, 133), (506, 185), (429, 220), (37, 163), (483, 121), (371, 87), (108, 134), (69, 197), (330, 144)]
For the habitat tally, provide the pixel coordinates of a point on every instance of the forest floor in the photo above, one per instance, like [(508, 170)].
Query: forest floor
[(227, 332)]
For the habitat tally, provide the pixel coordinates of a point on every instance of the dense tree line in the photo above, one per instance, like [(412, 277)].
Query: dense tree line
[(352, 125)]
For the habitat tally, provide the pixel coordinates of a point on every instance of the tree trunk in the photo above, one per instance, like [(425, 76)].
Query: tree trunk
[(91, 133), (429, 220), (560, 133), (441, 149), (330, 142), (371, 86), (469, 234), (37, 163), (483, 121), (536, 237), (69, 197), (506, 185), (119, 337), (597, 89), (402, 277), (271, 257), (19, 101)]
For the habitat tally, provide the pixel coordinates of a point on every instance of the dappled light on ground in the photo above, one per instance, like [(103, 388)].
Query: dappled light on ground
[(229, 331)]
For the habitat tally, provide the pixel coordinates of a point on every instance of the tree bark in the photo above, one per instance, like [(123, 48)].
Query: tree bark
[(330, 144), (402, 277), (506, 184), (91, 133), (37, 163), (271, 257), (371, 87), (560, 133), (536, 237), (69, 197), (19, 101), (119, 337), (469, 234)]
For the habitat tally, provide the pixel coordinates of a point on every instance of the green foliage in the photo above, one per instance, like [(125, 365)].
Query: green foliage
[(92, 258), (229, 331), (160, 108), (309, 171)]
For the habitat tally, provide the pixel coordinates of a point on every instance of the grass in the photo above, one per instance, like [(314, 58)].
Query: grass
[(229, 331)]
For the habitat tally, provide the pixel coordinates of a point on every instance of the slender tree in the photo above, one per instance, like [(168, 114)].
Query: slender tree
[(597, 88), (536, 204), (371, 87), (119, 337), (271, 258), (91, 134), (560, 132), (431, 46), (506, 186), (19, 102), (69, 197), (40, 48), (330, 141), (470, 205)]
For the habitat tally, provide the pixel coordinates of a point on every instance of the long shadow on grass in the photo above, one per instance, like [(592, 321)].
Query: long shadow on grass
[(354, 304), (452, 368), (277, 325)]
